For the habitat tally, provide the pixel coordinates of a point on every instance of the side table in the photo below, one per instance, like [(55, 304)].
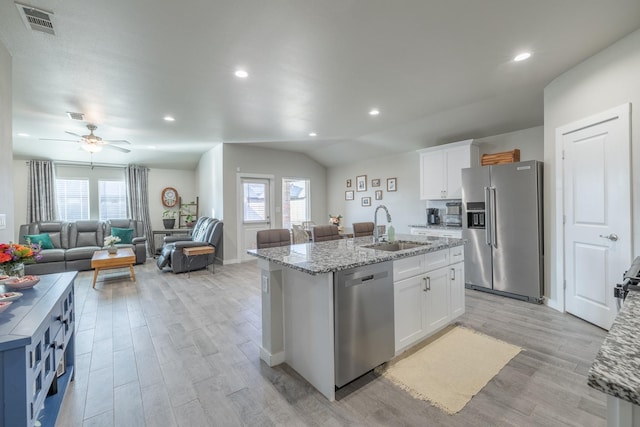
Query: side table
[(195, 251)]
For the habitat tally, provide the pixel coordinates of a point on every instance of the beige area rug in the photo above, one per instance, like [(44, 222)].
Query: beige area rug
[(451, 368)]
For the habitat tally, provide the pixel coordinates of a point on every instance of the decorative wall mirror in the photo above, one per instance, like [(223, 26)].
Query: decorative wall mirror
[(169, 197)]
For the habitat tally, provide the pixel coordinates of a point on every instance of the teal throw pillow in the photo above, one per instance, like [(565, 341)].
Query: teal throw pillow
[(125, 234), (43, 239)]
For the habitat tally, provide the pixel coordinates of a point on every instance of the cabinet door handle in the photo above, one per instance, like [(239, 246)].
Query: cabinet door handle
[(424, 279), (428, 283), (453, 274)]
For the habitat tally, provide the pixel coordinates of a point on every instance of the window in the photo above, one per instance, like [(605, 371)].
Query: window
[(255, 200), (295, 201), (72, 199), (112, 200), (84, 193)]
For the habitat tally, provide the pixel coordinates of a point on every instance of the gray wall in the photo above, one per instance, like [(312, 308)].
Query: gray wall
[(606, 80), (404, 204), (6, 146), (530, 142), (246, 159), (210, 183)]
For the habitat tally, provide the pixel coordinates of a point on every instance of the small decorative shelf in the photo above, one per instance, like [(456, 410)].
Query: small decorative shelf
[(187, 209)]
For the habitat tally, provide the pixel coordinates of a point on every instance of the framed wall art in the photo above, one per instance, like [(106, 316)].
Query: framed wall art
[(392, 185), (349, 183), (366, 201), (378, 194), (348, 195), (361, 183), (375, 182)]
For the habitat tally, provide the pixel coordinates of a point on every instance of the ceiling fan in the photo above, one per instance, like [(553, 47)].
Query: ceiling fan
[(93, 143)]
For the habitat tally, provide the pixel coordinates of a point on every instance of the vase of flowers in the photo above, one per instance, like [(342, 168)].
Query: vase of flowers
[(110, 243), (335, 219), (14, 256)]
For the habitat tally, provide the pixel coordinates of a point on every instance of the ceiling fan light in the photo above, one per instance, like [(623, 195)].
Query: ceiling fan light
[(92, 148)]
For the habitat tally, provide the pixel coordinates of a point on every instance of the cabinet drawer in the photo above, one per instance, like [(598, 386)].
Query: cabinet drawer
[(456, 254), (434, 260), (420, 232), (408, 267)]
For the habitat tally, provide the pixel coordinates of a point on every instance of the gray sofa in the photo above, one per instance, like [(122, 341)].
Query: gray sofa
[(75, 242)]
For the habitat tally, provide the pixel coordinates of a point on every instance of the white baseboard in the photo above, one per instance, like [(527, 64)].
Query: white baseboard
[(271, 359), (555, 304)]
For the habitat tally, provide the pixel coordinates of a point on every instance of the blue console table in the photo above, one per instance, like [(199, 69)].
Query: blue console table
[(37, 351)]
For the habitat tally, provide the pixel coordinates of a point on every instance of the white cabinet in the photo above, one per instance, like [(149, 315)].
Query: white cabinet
[(437, 232), (440, 169), (428, 294), (457, 289), (409, 310), (437, 304)]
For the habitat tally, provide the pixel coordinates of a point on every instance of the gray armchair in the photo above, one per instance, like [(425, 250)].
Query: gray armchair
[(206, 232), (138, 241)]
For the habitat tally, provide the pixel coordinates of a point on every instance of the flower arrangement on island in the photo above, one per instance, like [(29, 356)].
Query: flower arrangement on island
[(335, 219), (12, 255)]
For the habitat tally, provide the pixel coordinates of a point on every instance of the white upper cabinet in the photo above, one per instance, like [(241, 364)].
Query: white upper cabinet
[(440, 169)]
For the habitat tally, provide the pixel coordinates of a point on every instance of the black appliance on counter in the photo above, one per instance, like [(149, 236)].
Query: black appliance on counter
[(433, 216)]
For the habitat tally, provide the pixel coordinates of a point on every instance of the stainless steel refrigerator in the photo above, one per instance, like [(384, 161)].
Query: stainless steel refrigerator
[(502, 222)]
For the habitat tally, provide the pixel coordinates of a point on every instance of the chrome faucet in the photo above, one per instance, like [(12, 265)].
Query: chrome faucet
[(376, 234)]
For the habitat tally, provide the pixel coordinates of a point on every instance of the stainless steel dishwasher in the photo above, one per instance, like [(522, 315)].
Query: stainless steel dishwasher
[(363, 314)]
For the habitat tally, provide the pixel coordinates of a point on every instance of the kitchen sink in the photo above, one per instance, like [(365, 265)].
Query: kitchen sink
[(395, 246)]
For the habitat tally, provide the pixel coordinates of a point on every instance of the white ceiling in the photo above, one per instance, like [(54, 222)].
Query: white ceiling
[(439, 71)]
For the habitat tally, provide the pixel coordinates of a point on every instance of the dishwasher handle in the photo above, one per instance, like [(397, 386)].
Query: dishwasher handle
[(362, 278)]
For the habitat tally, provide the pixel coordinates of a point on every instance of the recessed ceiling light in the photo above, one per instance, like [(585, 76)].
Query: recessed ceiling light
[(23, 134), (242, 74), (522, 56), (169, 119), (374, 112), (313, 134)]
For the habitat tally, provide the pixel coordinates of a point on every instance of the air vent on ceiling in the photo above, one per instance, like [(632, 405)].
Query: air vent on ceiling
[(36, 19), (75, 116)]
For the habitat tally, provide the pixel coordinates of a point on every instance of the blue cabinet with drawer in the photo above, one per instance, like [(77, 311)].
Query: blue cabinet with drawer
[(37, 353)]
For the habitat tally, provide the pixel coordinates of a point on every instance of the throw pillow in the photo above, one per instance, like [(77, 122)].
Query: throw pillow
[(125, 234), (43, 239)]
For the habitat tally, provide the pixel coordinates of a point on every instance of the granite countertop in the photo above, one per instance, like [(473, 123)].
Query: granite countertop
[(436, 226), (616, 369), (335, 255)]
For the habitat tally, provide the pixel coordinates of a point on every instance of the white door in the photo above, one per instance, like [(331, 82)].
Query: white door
[(597, 209), (256, 212)]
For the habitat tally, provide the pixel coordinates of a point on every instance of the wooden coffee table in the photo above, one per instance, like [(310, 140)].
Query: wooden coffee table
[(102, 260)]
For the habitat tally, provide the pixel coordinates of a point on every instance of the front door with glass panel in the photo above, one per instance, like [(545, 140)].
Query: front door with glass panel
[(256, 208)]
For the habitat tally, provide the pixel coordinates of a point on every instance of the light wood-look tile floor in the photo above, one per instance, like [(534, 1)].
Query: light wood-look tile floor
[(176, 351)]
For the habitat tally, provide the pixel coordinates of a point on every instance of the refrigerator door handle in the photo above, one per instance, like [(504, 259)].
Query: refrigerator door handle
[(494, 234), (487, 205)]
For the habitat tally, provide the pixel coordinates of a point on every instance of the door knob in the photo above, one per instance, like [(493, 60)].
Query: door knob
[(613, 237)]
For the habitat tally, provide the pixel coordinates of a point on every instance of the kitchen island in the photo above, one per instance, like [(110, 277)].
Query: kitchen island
[(616, 369), (298, 297)]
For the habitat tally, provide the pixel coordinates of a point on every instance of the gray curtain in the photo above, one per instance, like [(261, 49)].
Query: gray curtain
[(137, 181), (41, 191)]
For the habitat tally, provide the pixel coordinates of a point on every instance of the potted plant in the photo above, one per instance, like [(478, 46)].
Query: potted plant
[(190, 220), (169, 219)]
